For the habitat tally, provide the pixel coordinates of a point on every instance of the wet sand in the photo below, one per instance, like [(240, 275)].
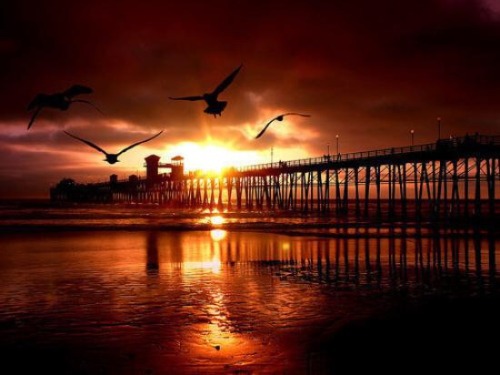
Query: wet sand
[(235, 302), (434, 336)]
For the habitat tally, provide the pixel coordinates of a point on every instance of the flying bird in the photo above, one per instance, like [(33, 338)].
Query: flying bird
[(279, 118), (215, 107), (59, 100), (112, 158)]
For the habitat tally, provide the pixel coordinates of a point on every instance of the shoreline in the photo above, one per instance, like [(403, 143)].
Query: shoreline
[(341, 230)]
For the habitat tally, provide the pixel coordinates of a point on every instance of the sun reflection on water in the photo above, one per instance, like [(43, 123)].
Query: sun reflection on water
[(217, 220), (218, 234), (213, 265)]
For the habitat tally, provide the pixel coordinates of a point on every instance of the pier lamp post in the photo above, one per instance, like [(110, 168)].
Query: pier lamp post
[(337, 139), (439, 127), (328, 150), (412, 132)]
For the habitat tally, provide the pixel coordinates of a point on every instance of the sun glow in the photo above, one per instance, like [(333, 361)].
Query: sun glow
[(211, 157), (217, 220)]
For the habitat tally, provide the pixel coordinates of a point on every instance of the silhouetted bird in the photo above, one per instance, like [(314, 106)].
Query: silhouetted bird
[(59, 100), (279, 118), (215, 107), (112, 158)]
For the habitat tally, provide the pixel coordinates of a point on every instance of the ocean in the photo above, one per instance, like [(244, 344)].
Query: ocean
[(147, 290)]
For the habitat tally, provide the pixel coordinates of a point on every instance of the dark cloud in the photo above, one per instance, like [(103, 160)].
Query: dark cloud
[(367, 70)]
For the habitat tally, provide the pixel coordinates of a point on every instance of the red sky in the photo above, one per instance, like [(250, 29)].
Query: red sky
[(367, 70)]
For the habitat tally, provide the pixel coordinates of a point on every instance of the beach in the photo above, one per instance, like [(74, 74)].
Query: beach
[(120, 290)]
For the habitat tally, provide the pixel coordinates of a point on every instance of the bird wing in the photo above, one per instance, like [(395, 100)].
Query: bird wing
[(87, 142), (138, 143), (294, 113), (37, 101), (192, 98), (222, 86), (34, 117), (77, 90), (265, 127), (278, 117), (87, 102)]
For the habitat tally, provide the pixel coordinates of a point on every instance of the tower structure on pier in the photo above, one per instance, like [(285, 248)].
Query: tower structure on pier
[(153, 165)]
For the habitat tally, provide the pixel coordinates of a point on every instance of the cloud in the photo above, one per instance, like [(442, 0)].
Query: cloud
[(361, 68)]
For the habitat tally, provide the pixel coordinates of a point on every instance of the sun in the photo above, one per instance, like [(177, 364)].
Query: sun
[(212, 157)]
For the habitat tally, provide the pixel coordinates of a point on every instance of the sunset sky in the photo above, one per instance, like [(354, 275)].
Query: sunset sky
[(369, 71)]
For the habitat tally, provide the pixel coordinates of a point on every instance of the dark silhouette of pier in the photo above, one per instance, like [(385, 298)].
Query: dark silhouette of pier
[(450, 177)]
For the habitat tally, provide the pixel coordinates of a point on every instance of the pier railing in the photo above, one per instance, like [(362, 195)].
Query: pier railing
[(445, 144)]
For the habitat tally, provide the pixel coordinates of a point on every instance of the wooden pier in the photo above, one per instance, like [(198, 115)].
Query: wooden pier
[(456, 177)]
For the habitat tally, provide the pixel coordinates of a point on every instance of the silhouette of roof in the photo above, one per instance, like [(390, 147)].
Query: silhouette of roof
[(152, 157)]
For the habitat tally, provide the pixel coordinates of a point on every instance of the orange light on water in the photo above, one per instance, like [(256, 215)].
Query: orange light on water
[(213, 265), (218, 234)]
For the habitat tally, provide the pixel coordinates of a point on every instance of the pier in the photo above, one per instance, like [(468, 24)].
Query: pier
[(450, 177)]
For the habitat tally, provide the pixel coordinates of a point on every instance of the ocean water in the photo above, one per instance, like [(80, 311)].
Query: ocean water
[(128, 290)]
